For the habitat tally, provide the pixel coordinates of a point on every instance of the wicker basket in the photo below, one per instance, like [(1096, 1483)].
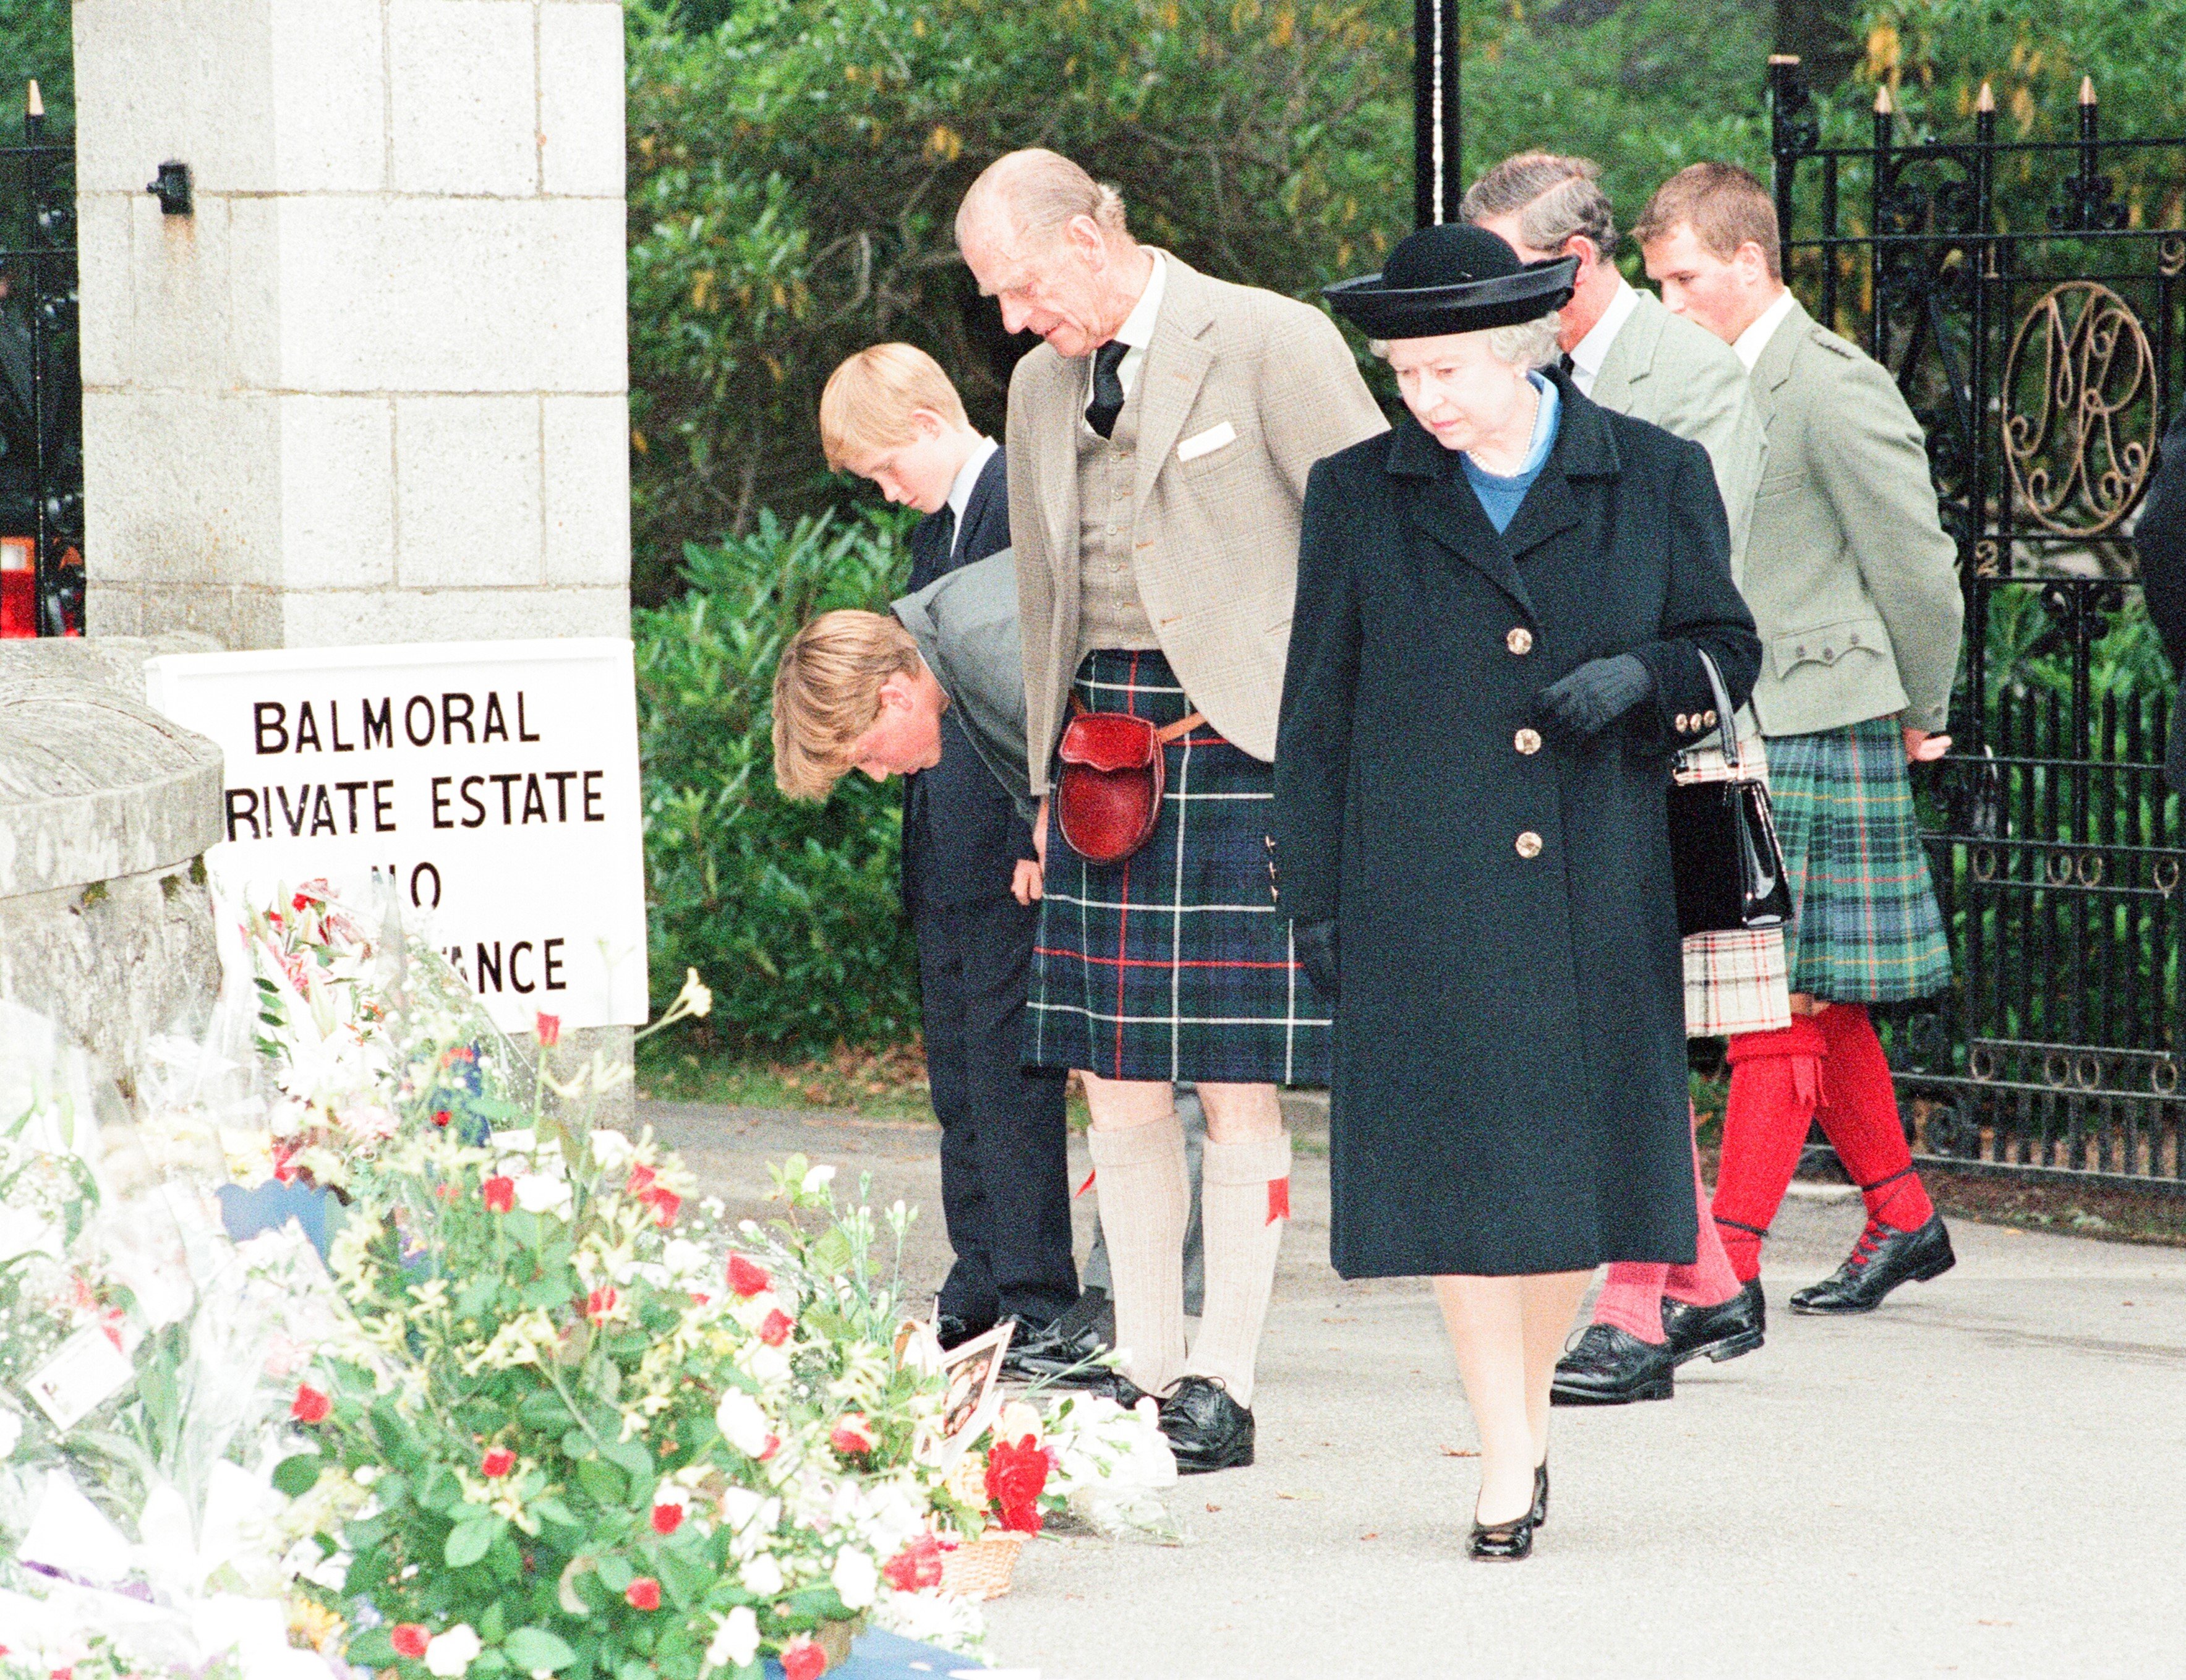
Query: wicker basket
[(981, 1568)]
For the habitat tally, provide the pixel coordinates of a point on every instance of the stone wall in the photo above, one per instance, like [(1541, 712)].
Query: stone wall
[(106, 923), (375, 389)]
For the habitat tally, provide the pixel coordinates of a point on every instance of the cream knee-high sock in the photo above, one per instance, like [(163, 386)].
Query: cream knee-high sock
[(1146, 1202), (1244, 1200)]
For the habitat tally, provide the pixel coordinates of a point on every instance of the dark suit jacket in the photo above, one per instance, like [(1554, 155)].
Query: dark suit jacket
[(2161, 537), (962, 833)]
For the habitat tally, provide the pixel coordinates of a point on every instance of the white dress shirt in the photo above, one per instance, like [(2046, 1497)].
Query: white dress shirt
[(1591, 351), (1754, 338), (1137, 331), (966, 480)]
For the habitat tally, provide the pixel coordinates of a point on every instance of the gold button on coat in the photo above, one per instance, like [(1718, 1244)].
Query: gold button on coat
[(1519, 641), (1529, 844), (1528, 741)]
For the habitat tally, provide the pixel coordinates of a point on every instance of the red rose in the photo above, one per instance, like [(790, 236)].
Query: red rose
[(497, 1462), (747, 1279), (802, 1659), (409, 1640), (1015, 1474), (666, 1205), (310, 1406), (550, 1029), (668, 1518), (776, 1329), (600, 1303), (641, 1180), (643, 1594), (851, 1435), (917, 1564), (500, 1194), (440, 1117), (773, 1446)]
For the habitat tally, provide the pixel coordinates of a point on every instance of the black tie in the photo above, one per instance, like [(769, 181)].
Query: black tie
[(1107, 388)]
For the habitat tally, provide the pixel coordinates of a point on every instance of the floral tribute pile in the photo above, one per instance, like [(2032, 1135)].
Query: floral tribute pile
[(542, 1412)]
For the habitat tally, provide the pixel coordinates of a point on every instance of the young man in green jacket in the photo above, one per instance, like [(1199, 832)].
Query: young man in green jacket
[(1854, 585)]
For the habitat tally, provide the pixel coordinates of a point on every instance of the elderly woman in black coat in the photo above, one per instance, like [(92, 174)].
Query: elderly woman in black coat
[(1501, 608)]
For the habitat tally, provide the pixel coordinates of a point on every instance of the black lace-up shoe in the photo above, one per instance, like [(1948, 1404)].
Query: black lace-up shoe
[(1883, 1258), (1207, 1429), (1061, 1354), (1723, 1331), (1607, 1366)]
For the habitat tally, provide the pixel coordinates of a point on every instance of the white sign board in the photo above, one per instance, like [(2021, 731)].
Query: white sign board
[(495, 782)]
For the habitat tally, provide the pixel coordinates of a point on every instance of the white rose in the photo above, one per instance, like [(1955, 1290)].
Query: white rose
[(735, 1641), (448, 1655), (537, 1193), (1018, 1420), (686, 1260), (762, 1576), (522, 1140), (11, 1430), (856, 1578), (612, 1151), (742, 1423), (817, 1178)]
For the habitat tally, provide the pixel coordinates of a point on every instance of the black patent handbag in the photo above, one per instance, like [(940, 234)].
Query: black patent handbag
[(1728, 862)]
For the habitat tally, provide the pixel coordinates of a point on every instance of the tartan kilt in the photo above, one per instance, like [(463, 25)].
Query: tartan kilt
[(1174, 964), (1868, 928)]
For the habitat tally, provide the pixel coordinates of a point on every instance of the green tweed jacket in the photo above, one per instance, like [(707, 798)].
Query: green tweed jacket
[(1849, 574), (1676, 374)]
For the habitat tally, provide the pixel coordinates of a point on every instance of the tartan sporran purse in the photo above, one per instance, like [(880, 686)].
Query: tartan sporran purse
[(1725, 855)]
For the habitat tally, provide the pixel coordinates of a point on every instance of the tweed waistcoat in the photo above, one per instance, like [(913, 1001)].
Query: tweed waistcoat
[(1110, 613)]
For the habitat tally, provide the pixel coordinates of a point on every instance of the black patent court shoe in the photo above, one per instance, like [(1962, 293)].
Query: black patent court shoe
[(1540, 1511), (1508, 1542)]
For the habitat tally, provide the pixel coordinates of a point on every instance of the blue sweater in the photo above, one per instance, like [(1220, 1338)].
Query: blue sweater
[(1499, 497)]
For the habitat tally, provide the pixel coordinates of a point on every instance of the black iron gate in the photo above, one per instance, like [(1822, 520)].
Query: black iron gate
[(41, 388), (2030, 304)]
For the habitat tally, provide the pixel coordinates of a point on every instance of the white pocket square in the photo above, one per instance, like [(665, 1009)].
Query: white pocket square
[(1207, 442)]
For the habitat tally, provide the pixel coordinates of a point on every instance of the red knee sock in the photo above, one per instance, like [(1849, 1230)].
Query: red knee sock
[(1632, 1298), (1775, 1086), (1711, 1278), (1859, 1116)]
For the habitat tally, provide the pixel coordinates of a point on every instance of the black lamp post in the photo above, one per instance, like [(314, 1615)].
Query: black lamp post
[(1437, 149)]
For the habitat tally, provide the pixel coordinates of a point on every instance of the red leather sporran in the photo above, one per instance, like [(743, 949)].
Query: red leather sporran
[(1108, 797)]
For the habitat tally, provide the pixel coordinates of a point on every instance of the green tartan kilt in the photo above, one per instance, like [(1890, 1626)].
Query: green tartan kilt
[(1867, 927)]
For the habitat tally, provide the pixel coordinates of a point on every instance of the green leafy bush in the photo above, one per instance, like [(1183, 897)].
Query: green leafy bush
[(789, 909)]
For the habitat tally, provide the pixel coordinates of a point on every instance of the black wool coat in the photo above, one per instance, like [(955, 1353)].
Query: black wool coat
[(1509, 1094)]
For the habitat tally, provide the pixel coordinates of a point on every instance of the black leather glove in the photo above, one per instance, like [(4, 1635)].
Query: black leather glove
[(1595, 695), (1316, 953)]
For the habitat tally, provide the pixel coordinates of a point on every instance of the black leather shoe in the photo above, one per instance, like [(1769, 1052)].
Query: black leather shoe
[(1610, 1367), (951, 1331), (1062, 1354), (1723, 1331), (1540, 1512), (1883, 1258), (1508, 1542), (1207, 1430)]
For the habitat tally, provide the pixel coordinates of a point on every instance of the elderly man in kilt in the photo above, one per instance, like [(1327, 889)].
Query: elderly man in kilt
[(1158, 445), (1853, 584)]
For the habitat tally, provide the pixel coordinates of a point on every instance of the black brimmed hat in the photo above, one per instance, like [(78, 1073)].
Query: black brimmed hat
[(1453, 277)]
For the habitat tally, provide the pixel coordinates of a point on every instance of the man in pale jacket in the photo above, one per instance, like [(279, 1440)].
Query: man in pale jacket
[(1159, 441), (1630, 353), (1854, 585)]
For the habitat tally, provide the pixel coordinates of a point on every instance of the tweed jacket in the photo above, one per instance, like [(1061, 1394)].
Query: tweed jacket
[(966, 625), (1676, 374), (1257, 387), (1851, 577)]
